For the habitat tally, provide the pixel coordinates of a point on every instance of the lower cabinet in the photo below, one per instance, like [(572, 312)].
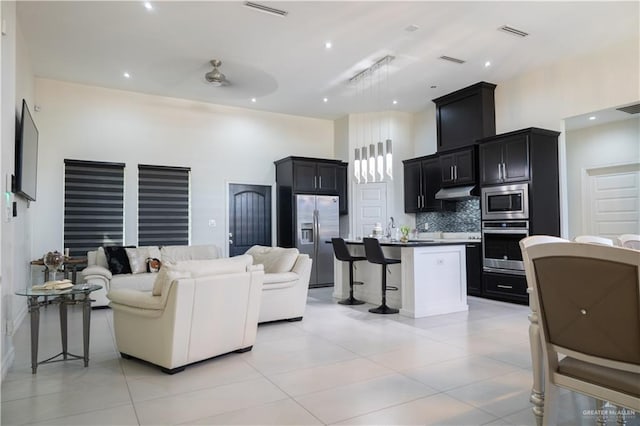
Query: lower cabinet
[(474, 269), (510, 288)]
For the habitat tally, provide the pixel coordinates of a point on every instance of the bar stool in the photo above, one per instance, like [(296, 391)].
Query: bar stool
[(342, 253), (374, 255)]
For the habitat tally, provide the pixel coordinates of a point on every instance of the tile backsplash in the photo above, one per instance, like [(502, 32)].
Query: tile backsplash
[(466, 218)]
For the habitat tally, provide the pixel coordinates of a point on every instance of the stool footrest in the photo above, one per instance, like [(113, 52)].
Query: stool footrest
[(392, 288)]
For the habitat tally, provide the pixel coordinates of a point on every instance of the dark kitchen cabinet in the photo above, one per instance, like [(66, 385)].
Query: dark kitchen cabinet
[(474, 269), (459, 167), (526, 156), (315, 177), (505, 160), (422, 179), (465, 115), (301, 175), (506, 287)]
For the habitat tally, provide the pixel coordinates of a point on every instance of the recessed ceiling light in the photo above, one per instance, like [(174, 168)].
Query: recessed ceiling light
[(126, 75), (395, 102), (328, 45), (593, 117), (148, 5), (253, 100), (325, 99), (487, 64)]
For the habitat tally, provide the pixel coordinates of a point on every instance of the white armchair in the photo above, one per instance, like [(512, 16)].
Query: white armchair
[(198, 309), (286, 282)]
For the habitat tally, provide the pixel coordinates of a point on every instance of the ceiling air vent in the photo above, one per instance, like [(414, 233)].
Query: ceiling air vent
[(513, 31), (266, 9), (631, 109), (450, 59)]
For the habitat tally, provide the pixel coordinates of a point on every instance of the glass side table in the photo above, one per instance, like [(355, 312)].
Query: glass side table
[(64, 298)]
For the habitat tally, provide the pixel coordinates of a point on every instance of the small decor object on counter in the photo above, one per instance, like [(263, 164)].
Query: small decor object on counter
[(53, 260), (153, 264), (404, 229), (377, 231)]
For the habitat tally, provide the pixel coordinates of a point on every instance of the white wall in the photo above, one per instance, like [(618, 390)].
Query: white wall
[(597, 146), (220, 144), (16, 248)]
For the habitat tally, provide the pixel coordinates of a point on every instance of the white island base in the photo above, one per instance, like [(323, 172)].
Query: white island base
[(431, 278)]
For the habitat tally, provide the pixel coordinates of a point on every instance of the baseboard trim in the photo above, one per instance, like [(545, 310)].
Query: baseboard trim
[(7, 361)]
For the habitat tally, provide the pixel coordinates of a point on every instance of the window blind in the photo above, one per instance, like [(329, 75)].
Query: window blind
[(93, 205), (163, 205)]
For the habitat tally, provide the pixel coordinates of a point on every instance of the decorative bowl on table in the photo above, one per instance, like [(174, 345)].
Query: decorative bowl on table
[(53, 260)]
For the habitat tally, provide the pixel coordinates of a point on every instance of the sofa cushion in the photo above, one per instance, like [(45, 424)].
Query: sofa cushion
[(136, 299), (274, 259), (163, 279), (138, 257), (174, 254), (101, 258), (201, 268), (117, 259), (142, 282), (282, 277)]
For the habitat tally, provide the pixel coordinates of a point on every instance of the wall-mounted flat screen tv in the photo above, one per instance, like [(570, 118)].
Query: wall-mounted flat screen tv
[(26, 156)]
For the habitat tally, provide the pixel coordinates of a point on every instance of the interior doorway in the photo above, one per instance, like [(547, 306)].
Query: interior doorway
[(371, 207), (611, 200), (249, 217)]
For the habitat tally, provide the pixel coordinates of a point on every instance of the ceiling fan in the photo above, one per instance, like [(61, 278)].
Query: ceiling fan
[(215, 77)]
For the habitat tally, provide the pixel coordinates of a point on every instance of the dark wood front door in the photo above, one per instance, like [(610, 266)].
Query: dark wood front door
[(249, 217)]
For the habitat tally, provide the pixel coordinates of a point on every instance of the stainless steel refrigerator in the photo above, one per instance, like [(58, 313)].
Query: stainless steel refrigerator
[(317, 222)]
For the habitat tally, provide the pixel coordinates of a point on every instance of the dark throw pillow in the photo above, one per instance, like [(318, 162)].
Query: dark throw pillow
[(117, 259)]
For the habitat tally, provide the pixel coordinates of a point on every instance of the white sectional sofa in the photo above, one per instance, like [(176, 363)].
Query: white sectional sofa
[(286, 282), (198, 309), (97, 270)]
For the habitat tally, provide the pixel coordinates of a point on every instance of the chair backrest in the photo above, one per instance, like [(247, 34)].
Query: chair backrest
[(373, 251), (588, 300), (631, 241), (340, 249), (531, 241), (593, 239)]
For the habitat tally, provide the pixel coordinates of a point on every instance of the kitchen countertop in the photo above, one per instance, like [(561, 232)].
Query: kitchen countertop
[(419, 242)]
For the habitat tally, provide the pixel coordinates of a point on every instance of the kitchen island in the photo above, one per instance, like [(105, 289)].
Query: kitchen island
[(431, 277)]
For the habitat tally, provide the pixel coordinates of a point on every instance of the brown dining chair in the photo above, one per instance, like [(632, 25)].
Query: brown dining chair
[(588, 298)]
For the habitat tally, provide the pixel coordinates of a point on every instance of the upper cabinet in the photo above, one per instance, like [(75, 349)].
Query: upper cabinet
[(465, 115), (314, 176), (422, 179), (459, 167), (505, 159)]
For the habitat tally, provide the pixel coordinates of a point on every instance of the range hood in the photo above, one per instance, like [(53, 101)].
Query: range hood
[(457, 193)]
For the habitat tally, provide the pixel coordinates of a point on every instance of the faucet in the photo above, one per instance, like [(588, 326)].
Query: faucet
[(390, 226)]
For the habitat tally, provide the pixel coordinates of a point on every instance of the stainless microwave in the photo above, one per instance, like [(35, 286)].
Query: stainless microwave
[(505, 202)]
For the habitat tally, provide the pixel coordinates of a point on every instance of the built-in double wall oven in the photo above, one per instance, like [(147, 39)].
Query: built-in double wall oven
[(505, 221)]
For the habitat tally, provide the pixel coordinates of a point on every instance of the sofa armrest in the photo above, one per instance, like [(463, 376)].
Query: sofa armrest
[(97, 271), (139, 300), (281, 277)]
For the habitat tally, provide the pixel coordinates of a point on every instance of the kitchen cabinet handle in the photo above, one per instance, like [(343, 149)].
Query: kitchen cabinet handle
[(315, 181), (422, 201), (504, 172), (418, 201), (455, 172), (499, 171), (451, 172), (320, 179), (504, 286)]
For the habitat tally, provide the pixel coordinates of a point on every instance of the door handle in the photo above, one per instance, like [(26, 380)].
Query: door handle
[(230, 234), (230, 241)]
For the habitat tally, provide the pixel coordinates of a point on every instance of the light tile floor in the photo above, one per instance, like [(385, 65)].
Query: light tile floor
[(340, 365)]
